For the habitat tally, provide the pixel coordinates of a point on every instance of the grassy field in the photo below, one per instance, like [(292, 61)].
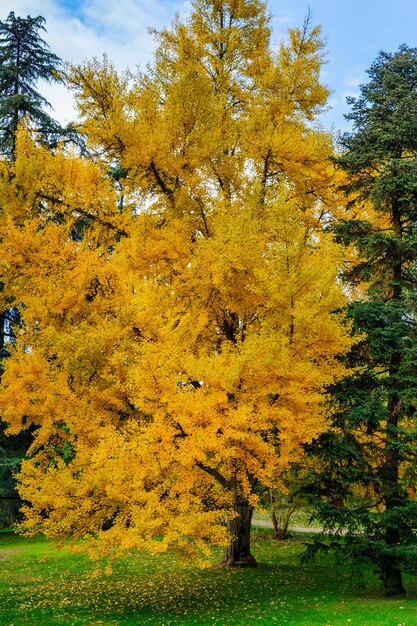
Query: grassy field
[(59, 590)]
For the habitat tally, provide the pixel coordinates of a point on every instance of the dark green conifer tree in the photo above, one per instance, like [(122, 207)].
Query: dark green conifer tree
[(368, 471), (24, 60)]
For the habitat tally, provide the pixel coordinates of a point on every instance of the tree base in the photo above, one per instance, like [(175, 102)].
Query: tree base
[(391, 593), (283, 537), (243, 561), (392, 581), (393, 588), (238, 553)]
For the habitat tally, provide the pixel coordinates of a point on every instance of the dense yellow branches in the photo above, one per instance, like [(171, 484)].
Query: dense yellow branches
[(174, 354)]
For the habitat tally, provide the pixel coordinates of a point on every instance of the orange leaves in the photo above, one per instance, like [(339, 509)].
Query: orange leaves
[(28, 381), (174, 353)]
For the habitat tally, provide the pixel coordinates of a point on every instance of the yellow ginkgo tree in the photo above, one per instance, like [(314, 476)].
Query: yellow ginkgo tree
[(178, 290)]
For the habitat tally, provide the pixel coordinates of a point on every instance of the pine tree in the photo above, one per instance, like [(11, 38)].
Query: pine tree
[(368, 474), (24, 60)]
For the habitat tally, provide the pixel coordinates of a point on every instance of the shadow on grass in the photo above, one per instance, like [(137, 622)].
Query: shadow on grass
[(159, 590)]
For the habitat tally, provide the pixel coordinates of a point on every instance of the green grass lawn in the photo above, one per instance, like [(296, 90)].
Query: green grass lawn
[(60, 589)]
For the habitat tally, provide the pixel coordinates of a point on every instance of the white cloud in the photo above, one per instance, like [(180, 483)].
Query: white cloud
[(350, 85), (354, 77), (80, 30), (61, 101), (91, 27)]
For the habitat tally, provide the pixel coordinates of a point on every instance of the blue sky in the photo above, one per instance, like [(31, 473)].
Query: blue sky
[(356, 31)]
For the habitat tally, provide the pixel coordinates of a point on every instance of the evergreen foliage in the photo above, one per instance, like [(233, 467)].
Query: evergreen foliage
[(367, 476), (24, 60)]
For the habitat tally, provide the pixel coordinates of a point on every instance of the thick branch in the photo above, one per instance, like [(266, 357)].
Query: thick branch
[(215, 474), (162, 184), (83, 213)]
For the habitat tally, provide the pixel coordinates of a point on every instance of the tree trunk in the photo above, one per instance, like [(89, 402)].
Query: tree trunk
[(393, 497), (392, 579), (282, 522), (391, 574), (238, 554), (277, 531)]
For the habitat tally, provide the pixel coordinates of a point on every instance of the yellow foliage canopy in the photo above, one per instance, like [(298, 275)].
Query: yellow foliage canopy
[(178, 323)]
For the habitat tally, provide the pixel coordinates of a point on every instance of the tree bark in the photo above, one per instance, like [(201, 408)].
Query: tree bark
[(390, 572), (238, 553)]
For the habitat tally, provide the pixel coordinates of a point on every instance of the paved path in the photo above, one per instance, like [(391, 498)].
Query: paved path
[(297, 529)]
